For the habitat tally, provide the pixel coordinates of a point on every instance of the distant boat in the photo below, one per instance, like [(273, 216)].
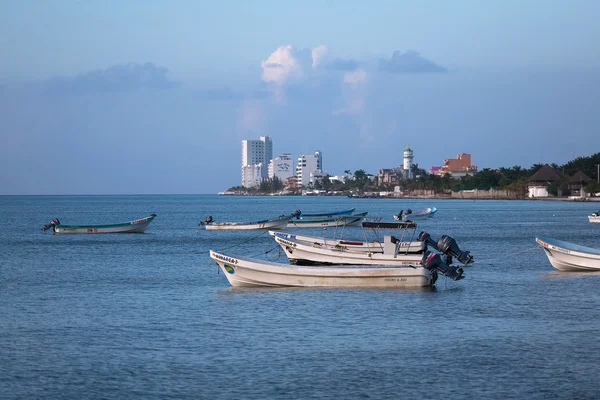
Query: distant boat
[(595, 217), (566, 256), (419, 214), (328, 221), (137, 226), (305, 216), (249, 272), (268, 224)]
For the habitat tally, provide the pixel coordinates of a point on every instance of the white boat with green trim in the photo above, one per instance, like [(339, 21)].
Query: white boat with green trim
[(328, 221), (273, 224), (243, 271), (135, 226)]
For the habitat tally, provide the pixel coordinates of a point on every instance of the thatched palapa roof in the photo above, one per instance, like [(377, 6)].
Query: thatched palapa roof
[(580, 177), (547, 174)]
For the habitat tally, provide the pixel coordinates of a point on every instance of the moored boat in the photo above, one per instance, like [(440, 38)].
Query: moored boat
[(393, 254), (566, 256), (354, 245), (267, 224), (249, 272), (418, 214), (136, 226), (328, 221), (318, 216)]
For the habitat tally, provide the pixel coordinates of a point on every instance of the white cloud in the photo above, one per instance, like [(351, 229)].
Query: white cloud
[(282, 66), (357, 77), (354, 92), (318, 55)]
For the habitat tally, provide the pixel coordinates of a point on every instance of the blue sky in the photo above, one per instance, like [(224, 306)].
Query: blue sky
[(155, 97)]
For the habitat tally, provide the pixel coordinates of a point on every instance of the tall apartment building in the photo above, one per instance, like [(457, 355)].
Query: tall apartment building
[(256, 152), (308, 164), (281, 167)]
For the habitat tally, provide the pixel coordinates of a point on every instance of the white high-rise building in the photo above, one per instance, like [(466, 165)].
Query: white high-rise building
[(281, 167), (307, 164), (256, 152), (408, 162), (251, 175)]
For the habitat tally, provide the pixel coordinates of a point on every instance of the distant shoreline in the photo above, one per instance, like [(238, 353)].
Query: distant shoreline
[(577, 200)]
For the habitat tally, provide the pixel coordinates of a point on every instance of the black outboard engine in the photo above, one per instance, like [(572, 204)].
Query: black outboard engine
[(297, 214), (433, 262), (207, 221), (448, 246), (52, 224)]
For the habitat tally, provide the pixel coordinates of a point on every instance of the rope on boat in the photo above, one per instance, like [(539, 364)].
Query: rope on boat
[(504, 256), (244, 242)]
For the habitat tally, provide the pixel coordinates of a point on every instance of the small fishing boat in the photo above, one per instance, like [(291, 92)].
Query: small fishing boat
[(566, 256), (595, 217), (354, 245), (299, 214), (328, 221), (249, 272), (136, 226), (419, 214), (269, 224)]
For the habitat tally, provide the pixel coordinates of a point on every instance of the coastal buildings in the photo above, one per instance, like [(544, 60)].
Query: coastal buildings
[(456, 167), (256, 156), (545, 178), (281, 167), (308, 164), (392, 176)]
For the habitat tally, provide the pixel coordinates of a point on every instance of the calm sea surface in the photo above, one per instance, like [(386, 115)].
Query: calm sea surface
[(149, 316)]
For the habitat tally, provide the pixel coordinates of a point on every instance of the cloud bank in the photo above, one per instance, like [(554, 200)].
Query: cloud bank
[(118, 78), (408, 62)]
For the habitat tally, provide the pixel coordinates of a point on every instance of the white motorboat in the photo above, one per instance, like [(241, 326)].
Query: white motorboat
[(407, 246), (249, 272), (393, 254), (595, 217), (418, 214), (566, 256), (273, 224), (136, 226), (328, 221)]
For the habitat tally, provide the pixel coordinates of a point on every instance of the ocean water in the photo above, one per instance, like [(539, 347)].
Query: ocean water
[(149, 316)]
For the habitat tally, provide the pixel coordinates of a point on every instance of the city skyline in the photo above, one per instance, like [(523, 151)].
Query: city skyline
[(148, 97)]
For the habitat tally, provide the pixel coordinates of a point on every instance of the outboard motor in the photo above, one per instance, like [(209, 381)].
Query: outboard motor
[(207, 221), (297, 214), (433, 262), (448, 246), (52, 224)]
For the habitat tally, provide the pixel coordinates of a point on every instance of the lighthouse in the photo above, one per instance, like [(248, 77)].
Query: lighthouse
[(408, 162)]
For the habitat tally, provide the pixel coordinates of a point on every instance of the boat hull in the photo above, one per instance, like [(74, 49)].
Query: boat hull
[(594, 218), (566, 256), (245, 272), (137, 226), (264, 225), (303, 253)]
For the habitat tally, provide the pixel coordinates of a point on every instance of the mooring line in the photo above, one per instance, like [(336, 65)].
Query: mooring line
[(477, 262), (244, 242)]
